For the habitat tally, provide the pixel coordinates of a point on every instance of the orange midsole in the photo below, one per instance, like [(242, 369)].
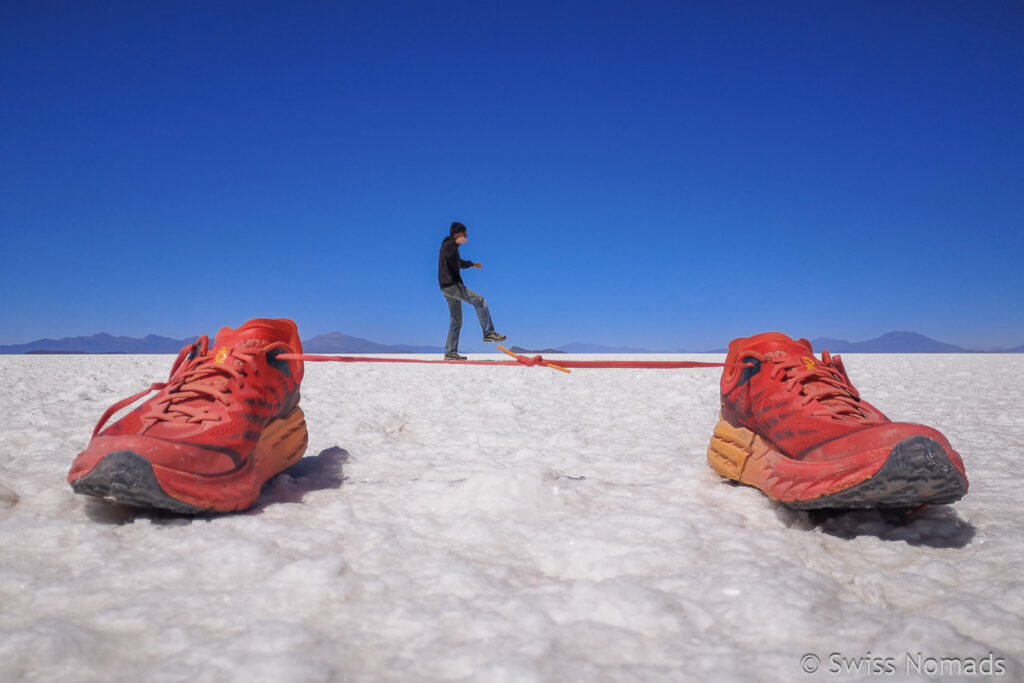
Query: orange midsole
[(742, 455), (280, 446)]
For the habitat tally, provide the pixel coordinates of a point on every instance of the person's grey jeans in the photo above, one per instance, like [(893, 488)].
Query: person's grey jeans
[(455, 295)]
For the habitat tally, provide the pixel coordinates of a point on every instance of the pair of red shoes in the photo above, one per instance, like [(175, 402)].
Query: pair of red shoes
[(228, 419)]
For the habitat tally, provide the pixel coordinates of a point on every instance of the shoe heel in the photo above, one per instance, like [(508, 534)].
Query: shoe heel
[(282, 444), (729, 449)]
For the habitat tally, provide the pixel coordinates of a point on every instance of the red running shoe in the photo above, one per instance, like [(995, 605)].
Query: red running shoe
[(796, 428), (226, 421)]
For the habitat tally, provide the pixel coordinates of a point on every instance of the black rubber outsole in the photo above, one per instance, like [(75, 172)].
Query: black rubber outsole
[(125, 477), (917, 471)]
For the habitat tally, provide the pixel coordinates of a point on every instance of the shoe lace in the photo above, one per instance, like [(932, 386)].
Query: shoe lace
[(199, 381), (824, 382)]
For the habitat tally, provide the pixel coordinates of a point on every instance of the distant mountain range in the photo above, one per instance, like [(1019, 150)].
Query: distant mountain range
[(332, 342), (891, 342), (336, 342), (101, 343), (520, 349), (578, 347)]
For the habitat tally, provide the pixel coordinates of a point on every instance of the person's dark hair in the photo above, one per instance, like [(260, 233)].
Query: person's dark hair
[(457, 228)]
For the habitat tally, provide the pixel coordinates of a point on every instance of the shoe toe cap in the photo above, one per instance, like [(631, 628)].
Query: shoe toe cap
[(872, 447), (180, 457)]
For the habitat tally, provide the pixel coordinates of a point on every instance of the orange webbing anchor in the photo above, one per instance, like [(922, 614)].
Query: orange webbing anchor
[(536, 360)]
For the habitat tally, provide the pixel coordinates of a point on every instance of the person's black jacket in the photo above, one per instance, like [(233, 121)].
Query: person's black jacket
[(449, 263)]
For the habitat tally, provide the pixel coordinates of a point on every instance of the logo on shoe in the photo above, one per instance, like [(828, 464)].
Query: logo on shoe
[(222, 355), (809, 362)]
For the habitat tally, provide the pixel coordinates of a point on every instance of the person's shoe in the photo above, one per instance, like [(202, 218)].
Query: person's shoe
[(494, 337), (453, 356), (795, 427), (226, 421)]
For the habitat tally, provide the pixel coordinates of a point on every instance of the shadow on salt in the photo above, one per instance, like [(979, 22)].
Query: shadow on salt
[(934, 526), (311, 473)]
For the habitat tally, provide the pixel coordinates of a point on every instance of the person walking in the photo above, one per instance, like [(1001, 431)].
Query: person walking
[(449, 263)]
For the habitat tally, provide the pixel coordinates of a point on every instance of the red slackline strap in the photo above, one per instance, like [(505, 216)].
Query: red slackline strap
[(362, 359), (522, 360)]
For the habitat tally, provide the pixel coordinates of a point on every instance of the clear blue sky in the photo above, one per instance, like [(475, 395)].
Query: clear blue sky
[(660, 174)]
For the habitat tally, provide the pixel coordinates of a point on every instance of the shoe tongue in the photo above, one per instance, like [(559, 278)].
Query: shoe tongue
[(776, 345), (249, 338)]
